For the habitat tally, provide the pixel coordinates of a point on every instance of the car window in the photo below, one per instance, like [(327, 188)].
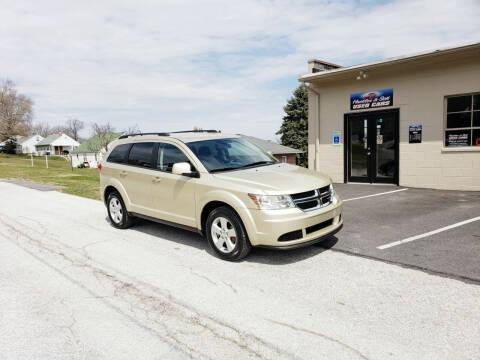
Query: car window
[(141, 155), (168, 155), (228, 153), (119, 154)]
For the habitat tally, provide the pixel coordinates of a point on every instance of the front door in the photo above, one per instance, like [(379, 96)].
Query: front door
[(173, 195), (372, 147)]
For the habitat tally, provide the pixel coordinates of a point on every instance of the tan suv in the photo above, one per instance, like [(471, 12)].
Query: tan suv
[(221, 186)]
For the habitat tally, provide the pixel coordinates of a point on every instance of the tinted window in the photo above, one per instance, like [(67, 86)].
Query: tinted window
[(168, 155), (459, 103), (119, 154), (459, 120), (141, 155)]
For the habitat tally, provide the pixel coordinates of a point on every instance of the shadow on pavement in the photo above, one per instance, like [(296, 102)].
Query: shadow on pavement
[(257, 255)]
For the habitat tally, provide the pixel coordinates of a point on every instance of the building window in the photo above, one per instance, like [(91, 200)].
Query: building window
[(284, 159), (462, 123)]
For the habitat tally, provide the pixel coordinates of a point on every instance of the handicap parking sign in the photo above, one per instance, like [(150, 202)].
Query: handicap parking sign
[(336, 136)]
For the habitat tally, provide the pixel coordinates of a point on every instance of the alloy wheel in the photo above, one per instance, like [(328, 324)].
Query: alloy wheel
[(223, 234), (116, 210)]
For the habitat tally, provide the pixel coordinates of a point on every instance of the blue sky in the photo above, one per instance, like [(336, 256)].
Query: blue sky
[(229, 65)]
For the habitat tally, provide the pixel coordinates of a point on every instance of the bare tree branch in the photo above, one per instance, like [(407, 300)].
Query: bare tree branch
[(73, 127), (16, 111), (104, 133)]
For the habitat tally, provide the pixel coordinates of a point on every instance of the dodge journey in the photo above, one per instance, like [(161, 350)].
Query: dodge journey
[(222, 186)]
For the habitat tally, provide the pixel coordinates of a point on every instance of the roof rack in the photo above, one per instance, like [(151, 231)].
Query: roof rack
[(194, 131), (168, 133), (142, 134)]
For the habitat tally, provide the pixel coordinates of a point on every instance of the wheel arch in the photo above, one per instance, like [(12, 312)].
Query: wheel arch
[(116, 186), (221, 199)]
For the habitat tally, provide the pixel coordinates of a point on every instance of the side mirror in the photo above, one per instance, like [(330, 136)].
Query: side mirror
[(184, 169)]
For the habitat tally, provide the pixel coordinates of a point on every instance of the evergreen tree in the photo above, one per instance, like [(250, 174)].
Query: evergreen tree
[(294, 129)]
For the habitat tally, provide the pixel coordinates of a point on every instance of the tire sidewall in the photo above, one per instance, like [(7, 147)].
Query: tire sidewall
[(242, 238), (121, 224)]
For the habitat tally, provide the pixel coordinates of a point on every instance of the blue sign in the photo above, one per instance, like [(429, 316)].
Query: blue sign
[(371, 99), (336, 136)]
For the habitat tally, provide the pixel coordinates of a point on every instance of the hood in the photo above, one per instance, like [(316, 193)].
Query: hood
[(276, 179)]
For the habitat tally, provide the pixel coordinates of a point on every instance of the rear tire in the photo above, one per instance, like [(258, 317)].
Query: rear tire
[(117, 211), (226, 234)]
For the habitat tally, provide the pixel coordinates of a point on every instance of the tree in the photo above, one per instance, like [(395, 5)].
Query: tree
[(16, 111), (10, 145), (294, 129), (104, 134), (132, 130), (73, 127), (42, 129)]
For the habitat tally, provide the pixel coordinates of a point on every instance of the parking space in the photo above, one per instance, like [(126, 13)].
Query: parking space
[(434, 230)]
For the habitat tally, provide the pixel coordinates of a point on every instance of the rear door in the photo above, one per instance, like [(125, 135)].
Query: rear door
[(137, 176), (173, 195)]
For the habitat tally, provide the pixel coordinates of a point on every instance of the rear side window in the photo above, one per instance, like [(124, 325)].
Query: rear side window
[(168, 155), (119, 154), (141, 155)]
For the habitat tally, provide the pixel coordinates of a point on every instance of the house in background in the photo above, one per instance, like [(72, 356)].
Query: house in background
[(282, 153), (91, 152), (26, 144), (56, 144)]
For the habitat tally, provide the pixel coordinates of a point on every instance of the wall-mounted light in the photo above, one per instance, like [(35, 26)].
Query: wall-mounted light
[(362, 75)]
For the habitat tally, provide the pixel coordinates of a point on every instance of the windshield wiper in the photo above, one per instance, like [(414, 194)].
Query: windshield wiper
[(268, 162), (223, 169), (257, 163)]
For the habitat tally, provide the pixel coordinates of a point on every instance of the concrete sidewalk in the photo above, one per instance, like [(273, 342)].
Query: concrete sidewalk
[(73, 287)]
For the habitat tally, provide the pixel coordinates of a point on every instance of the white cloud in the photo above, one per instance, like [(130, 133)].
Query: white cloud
[(216, 64)]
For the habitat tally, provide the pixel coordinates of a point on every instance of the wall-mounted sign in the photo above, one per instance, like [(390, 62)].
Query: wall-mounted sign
[(336, 137), (371, 99), (415, 134), (457, 138)]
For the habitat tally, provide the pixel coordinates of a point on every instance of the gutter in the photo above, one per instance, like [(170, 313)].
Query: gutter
[(389, 61)]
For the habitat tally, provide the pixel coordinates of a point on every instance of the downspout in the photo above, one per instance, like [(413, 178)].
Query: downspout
[(316, 160)]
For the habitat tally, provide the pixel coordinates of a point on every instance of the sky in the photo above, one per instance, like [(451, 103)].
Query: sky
[(228, 65)]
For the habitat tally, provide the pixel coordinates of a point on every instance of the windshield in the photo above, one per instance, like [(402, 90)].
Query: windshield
[(229, 154)]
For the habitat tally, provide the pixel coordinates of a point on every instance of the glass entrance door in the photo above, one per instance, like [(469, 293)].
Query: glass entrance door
[(372, 149)]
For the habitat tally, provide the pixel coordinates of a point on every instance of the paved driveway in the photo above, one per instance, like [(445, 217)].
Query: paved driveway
[(73, 287)]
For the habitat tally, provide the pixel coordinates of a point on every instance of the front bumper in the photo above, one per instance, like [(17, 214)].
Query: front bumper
[(309, 227), (306, 243)]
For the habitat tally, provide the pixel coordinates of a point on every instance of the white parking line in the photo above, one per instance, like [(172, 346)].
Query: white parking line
[(413, 238), (367, 196)]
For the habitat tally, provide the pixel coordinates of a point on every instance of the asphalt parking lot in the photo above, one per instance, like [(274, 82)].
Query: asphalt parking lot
[(377, 217), (74, 287)]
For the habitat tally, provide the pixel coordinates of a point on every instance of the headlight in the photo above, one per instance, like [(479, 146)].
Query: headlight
[(332, 193), (272, 202)]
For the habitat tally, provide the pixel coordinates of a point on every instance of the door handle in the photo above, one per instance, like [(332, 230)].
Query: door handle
[(157, 179), (123, 173)]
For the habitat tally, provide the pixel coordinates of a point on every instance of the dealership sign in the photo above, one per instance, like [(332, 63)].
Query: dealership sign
[(371, 99)]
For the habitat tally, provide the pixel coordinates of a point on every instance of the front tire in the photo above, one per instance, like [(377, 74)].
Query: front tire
[(117, 211), (226, 234)]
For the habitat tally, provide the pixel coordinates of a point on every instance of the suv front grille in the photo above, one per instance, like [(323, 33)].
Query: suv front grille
[(313, 199)]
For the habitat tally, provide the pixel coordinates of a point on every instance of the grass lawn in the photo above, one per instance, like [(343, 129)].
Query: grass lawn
[(81, 182)]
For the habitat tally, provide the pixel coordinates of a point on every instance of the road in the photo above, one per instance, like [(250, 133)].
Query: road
[(73, 287)]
